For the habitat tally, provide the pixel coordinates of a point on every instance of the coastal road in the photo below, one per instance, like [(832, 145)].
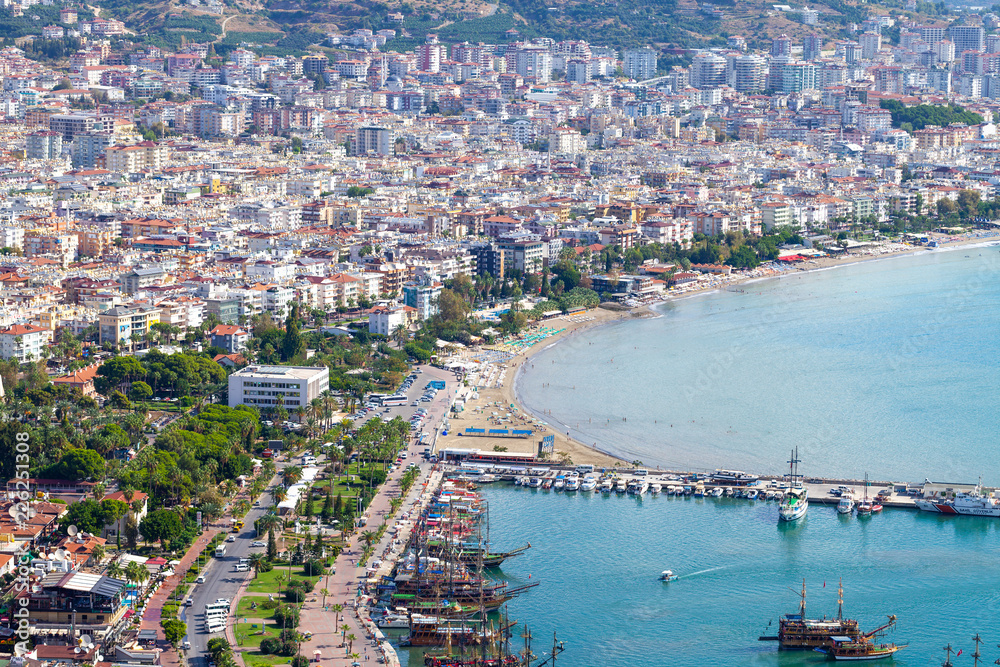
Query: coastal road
[(343, 584), (221, 581)]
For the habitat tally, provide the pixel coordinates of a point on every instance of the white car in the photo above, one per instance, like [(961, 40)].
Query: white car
[(258, 543)]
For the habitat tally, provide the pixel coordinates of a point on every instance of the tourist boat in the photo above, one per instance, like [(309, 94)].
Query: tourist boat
[(796, 501), (846, 505), (607, 485), (796, 632), (846, 648), (699, 490), (588, 484), (572, 484), (560, 483), (547, 484), (716, 492), (621, 486), (735, 477), (655, 488), (535, 482), (667, 575)]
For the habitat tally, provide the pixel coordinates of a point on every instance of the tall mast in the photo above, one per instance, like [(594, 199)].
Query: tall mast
[(802, 602), (947, 661), (840, 600), (977, 655)]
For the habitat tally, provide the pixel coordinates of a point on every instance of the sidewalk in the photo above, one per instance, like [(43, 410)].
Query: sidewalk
[(154, 609), (344, 587)]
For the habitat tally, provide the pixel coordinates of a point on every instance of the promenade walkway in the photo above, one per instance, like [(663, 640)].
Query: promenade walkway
[(344, 587), (154, 608)]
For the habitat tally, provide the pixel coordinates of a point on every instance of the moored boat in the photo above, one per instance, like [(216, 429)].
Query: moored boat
[(796, 500), (846, 505)]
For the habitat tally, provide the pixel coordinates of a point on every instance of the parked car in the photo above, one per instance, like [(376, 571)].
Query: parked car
[(258, 543)]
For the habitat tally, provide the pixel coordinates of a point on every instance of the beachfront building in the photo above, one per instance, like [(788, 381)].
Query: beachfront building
[(267, 387)]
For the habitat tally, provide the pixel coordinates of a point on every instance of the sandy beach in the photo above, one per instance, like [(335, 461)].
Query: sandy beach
[(490, 400)]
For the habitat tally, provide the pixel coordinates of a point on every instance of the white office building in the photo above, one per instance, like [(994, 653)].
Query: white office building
[(261, 387)]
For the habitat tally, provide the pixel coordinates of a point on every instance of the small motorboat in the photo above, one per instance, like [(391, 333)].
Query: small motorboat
[(846, 505), (667, 575)]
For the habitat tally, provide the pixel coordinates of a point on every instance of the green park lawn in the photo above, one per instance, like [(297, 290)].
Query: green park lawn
[(243, 609), (247, 636), (266, 582), (255, 659)]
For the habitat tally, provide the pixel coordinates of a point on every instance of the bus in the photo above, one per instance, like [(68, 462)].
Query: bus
[(393, 400), (217, 607)]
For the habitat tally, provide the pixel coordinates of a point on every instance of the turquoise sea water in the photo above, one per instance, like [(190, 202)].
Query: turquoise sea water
[(598, 559), (889, 367)]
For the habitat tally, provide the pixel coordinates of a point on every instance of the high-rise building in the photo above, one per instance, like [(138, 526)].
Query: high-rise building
[(967, 37), (781, 47), (43, 145), (788, 76), (534, 62), (431, 54), (708, 71), (639, 64), (871, 43), (89, 146), (373, 140), (749, 73), (812, 47)]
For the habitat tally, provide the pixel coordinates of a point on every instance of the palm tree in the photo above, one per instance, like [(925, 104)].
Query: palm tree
[(369, 537), (257, 561), (325, 592), (269, 522), (115, 570), (350, 641), (337, 609), (280, 578), (98, 553), (291, 474), (343, 632)]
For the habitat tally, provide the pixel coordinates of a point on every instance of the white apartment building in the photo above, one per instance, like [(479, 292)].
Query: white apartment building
[(261, 386), (384, 320), (22, 342)]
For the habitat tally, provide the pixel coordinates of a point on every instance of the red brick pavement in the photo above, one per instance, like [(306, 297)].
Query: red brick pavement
[(154, 608)]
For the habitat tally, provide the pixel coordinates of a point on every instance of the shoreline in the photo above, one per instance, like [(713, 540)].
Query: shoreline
[(507, 394)]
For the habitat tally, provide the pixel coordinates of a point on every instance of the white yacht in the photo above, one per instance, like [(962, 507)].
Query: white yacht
[(588, 484), (655, 488), (573, 483), (535, 482), (607, 485), (560, 483), (621, 486), (846, 504), (716, 492), (638, 486)]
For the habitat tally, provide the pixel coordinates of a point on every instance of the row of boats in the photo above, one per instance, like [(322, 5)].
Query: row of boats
[(440, 592), (571, 482)]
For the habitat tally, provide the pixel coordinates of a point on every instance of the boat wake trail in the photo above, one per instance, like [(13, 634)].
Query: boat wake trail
[(711, 569)]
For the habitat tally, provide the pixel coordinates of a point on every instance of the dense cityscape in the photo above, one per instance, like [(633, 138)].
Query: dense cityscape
[(263, 306)]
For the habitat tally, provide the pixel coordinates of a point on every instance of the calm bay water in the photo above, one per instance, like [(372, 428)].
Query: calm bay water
[(888, 367), (598, 559)]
